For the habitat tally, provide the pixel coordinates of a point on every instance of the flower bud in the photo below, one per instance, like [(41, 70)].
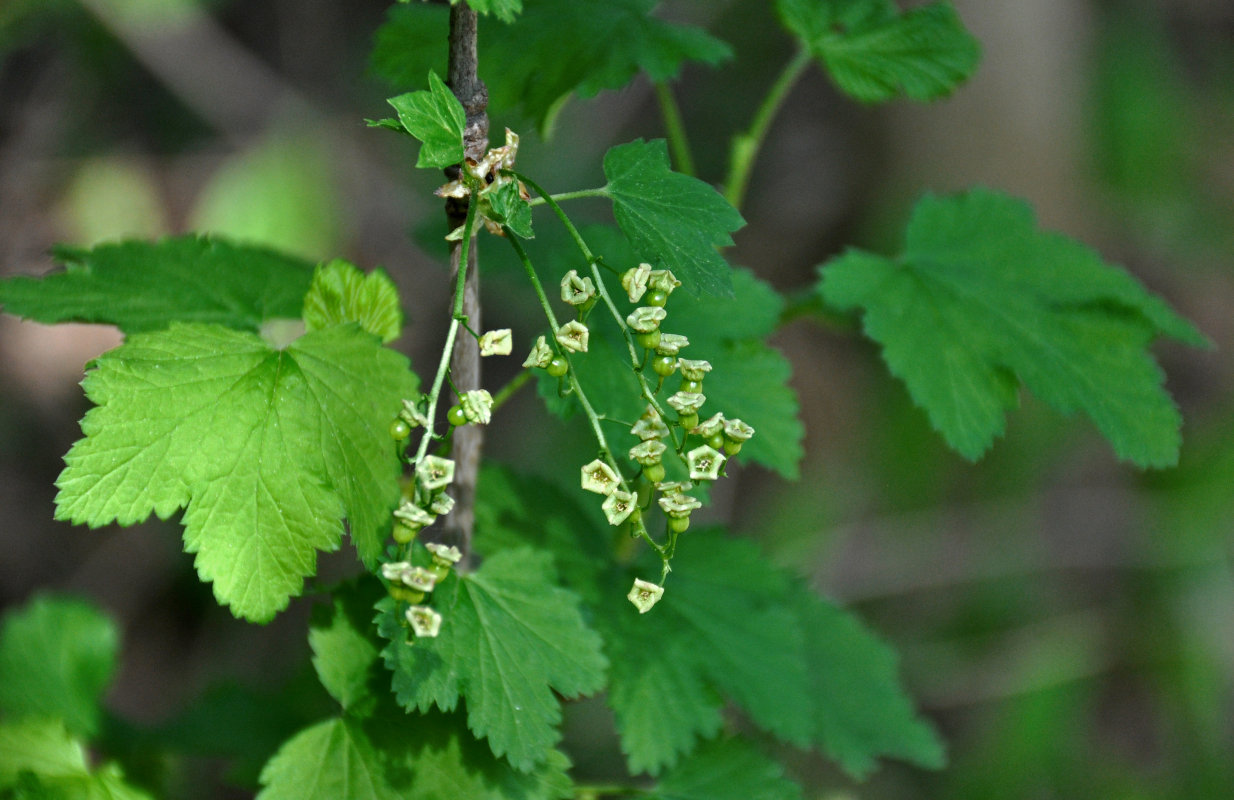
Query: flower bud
[(693, 370), (649, 452), (671, 344), (541, 354), (646, 319), (444, 556), (576, 290), (662, 280), (477, 406), (634, 281), (413, 516), (679, 505), (497, 343)]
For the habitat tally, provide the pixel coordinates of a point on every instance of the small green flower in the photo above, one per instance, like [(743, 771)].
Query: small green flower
[(599, 477), (619, 505), (705, 463), (541, 354), (671, 344), (573, 336), (694, 370), (687, 402), (477, 406), (442, 504), (435, 472), (646, 319), (497, 343), (420, 579), (413, 412), (668, 488), (662, 280), (444, 556), (425, 622), (634, 281), (393, 571), (737, 431), (649, 452), (576, 290), (413, 516), (679, 504), (644, 595), (709, 427), (650, 426)]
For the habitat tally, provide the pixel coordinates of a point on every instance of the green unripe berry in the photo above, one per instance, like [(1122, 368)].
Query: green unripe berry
[(694, 387), (403, 534), (654, 473), (656, 298), (664, 365), (648, 341), (716, 441), (399, 430), (440, 570), (557, 367), (678, 524), (732, 448), (406, 595), (456, 416), (687, 421)]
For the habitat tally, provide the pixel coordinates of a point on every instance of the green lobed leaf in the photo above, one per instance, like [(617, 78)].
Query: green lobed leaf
[(40, 759), (860, 710), (981, 301), (510, 638), (515, 510), (726, 770), (414, 757), (510, 209), (518, 77), (345, 647), (144, 286), (332, 759), (436, 118), (876, 53), (672, 220), (57, 657), (266, 450), (734, 626), (340, 293)]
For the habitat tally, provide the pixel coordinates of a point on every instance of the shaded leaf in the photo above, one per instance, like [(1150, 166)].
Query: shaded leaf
[(144, 286), (876, 53), (672, 220), (57, 657), (981, 301), (510, 638)]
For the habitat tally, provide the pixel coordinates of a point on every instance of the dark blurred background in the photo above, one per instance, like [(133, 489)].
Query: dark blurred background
[(1066, 620)]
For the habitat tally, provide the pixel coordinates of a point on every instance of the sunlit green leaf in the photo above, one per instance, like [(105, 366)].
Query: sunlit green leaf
[(267, 450)]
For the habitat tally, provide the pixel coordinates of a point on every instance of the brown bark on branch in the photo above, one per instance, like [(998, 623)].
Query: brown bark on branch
[(465, 360)]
